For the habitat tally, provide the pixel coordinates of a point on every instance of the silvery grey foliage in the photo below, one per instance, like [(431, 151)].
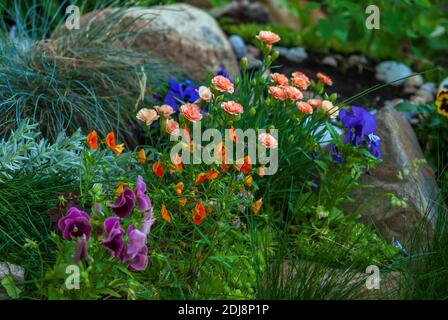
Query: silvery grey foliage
[(25, 151)]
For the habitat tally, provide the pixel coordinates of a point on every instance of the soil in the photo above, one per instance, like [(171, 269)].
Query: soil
[(346, 83)]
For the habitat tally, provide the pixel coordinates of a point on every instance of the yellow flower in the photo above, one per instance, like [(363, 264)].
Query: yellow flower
[(248, 181), (141, 156), (256, 207), (442, 102), (120, 188), (179, 188)]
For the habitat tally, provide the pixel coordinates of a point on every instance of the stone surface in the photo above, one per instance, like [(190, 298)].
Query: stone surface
[(388, 71), (12, 270), (243, 11), (400, 149), (238, 46), (297, 54), (182, 34)]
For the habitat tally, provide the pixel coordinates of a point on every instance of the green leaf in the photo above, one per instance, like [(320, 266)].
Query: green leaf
[(10, 286)]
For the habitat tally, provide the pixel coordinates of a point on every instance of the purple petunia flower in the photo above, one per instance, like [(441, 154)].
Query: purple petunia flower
[(361, 126), (114, 239), (124, 204), (75, 224), (144, 203)]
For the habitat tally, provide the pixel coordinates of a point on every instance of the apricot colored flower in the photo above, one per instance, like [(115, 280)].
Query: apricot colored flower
[(268, 141), (244, 165), (256, 207), (232, 107), (164, 110), (200, 178), (442, 102), (293, 93), (110, 142), (324, 78), (300, 80), (120, 188), (278, 93), (304, 107), (233, 135), (147, 116), (268, 37), (212, 174), (157, 168), (261, 171), (92, 140), (191, 112), (141, 157), (333, 111), (223, 84), (179, 188), (248, 181), (199, 213), (279, 79), (182, 202), (172, 127), (205, 94), (165, 215), (315, 103)]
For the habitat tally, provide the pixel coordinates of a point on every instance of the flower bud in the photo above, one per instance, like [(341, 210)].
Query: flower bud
[(275, 55), (252, 111), (244, 63)]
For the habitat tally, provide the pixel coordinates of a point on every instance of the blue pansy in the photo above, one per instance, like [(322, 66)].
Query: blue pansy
[(180, 92)]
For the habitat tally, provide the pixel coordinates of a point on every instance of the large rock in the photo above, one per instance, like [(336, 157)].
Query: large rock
[(182, 34), (16, 272), (400, 150)]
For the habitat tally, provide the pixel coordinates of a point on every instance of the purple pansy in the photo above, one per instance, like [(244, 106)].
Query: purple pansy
[(124, 204), (75, 224), (144, 203), (222, 72), (361, 126), (180, 92), (114, 238)]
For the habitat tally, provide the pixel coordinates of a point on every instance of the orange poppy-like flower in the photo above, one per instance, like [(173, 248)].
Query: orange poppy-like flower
[(157, 168), (243, 165), (304, 107), (256, 207), (200, 178), (279, 79), (268, 37), (315, 103), (233, 135), (199, 213), (110, 142), (324, 78), (92, 140), (182, 202), (300, 80), (164, 110), (120, 188), (176, 164), (232, 107), (212, 174), (165, 215), (248, 181), (223, 84), (141, 157), (268, 141), (179, 188), (293, 93), (278, 93), (191, 111)]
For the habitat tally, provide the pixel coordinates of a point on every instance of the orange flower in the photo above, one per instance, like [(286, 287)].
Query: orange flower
[(165, 214), (268, 37), (300, 80), (279, 79), (176, 164), (278, 93), (293, 93), (199, 213), (110, 142), (92, 140), (200, 178), (248, 181), (182, 202), (179, 188), (141, 157), (212, 174), (223, 84), (256, 207), (243, 165), (324, 78), (304, 107), (120, 188), (157, 168)]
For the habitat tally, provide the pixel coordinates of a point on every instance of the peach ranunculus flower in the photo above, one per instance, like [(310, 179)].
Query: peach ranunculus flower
[(223, 84), (300, 80), (191, 111), (164, 110), (304, 107), (279, 79), (268, 37), (315, 103), (172, 127), (332, 110), (293, 93), (92, 140), (232, 107), (147, 116), (278, 93), (268, 141), (324, 78), (205, 94)]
